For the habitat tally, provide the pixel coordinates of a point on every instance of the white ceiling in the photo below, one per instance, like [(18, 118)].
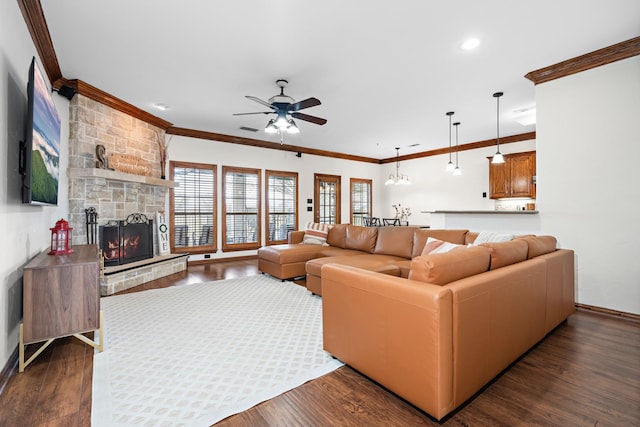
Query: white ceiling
[(386, 72)]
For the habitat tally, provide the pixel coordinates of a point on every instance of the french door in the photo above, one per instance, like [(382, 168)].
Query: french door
[(326, 199)]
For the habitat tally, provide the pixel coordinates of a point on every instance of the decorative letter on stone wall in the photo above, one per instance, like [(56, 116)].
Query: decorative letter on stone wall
[(101, 162), (163, 234)]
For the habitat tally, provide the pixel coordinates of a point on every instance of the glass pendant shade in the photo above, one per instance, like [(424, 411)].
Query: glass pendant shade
[(450, 167), (497, 158), (457, 171)]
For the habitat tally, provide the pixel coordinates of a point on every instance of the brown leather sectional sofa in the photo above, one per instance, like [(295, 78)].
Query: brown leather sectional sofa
[(434, 328)]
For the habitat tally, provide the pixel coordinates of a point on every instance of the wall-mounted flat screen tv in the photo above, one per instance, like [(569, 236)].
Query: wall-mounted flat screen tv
[(40, 151)]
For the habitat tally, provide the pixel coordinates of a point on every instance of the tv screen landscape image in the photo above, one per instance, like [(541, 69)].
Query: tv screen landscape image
[(40, 163)]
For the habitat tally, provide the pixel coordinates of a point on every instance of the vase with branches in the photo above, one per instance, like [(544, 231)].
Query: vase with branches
[(402, 214), (163, 146)]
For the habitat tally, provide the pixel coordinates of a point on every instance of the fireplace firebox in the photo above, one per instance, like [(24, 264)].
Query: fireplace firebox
[(126, 240)]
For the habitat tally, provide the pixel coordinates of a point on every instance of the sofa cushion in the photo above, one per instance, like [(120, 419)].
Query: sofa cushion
[(540, 245), (315, 234), (288, 254), (435, 246), (397, 241), (421, 235), (380, 264), (327, 251), (448, 267), (338, 235), (507, 253), (361, 238)]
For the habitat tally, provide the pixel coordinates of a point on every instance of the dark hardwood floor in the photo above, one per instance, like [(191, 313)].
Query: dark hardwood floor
[(585, 373)]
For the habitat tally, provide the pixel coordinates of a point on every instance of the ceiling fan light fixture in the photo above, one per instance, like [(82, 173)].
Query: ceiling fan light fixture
[(281, 122), (271, 127), (292, 128)]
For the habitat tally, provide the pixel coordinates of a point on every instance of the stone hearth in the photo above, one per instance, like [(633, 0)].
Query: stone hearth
[(119, 278)]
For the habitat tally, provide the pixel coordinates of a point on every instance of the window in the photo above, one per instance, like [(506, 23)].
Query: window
[(327, 199), (281, 205), (241, 208), (360, 200), (193, 207)]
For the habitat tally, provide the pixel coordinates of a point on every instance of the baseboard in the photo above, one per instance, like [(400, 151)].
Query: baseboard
[(216, 260), (608, 311), (9, 367)]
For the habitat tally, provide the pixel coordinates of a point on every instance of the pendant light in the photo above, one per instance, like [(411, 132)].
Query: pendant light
[(397, 179), (498, 158), (457, 171), (449, 167)]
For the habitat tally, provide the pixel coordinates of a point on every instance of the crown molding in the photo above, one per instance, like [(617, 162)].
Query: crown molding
[(597, 58), (37, 25), (219, 137), (109, 100), (464, 147)]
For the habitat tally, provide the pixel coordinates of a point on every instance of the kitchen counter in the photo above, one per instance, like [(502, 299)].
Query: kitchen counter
[(482, 212), (517, 222)]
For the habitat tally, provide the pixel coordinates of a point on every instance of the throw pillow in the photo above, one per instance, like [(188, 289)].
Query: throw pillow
[(435, 246), (492, 237), (315, 234)]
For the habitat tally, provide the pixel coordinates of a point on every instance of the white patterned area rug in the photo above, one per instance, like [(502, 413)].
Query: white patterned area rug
[(193, 355)]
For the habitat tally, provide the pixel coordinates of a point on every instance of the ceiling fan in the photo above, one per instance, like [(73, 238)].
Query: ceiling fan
[(284, 106)]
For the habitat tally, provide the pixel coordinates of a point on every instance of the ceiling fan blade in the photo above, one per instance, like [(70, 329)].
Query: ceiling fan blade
[(305, 103), (260, 101), (308, 118), (259, 112)]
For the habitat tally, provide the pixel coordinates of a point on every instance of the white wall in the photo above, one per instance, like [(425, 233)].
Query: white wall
[(434, 189), (25, 229), (589, 179), (225, 154)]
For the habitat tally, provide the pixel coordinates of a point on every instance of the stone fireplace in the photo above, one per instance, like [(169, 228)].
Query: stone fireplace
[(115, 194)]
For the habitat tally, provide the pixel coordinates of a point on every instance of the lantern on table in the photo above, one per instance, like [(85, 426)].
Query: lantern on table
[(61, 238)]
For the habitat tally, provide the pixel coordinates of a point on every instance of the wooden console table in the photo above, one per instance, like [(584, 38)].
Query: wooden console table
[(61, 297)]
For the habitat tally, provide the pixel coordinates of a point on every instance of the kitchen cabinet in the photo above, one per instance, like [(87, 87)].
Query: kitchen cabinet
[(513, 178)]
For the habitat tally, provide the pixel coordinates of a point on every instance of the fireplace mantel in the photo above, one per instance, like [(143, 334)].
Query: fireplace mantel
[(120, 176)]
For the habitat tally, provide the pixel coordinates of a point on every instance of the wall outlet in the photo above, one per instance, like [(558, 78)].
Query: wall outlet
[(484, 194), (207, 256)]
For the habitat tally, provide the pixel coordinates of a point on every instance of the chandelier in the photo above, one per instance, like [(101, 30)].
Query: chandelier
[(398, 179)]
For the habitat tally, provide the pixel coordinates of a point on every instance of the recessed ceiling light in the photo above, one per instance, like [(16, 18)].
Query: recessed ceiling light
[(160, 106), (470, 44)]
